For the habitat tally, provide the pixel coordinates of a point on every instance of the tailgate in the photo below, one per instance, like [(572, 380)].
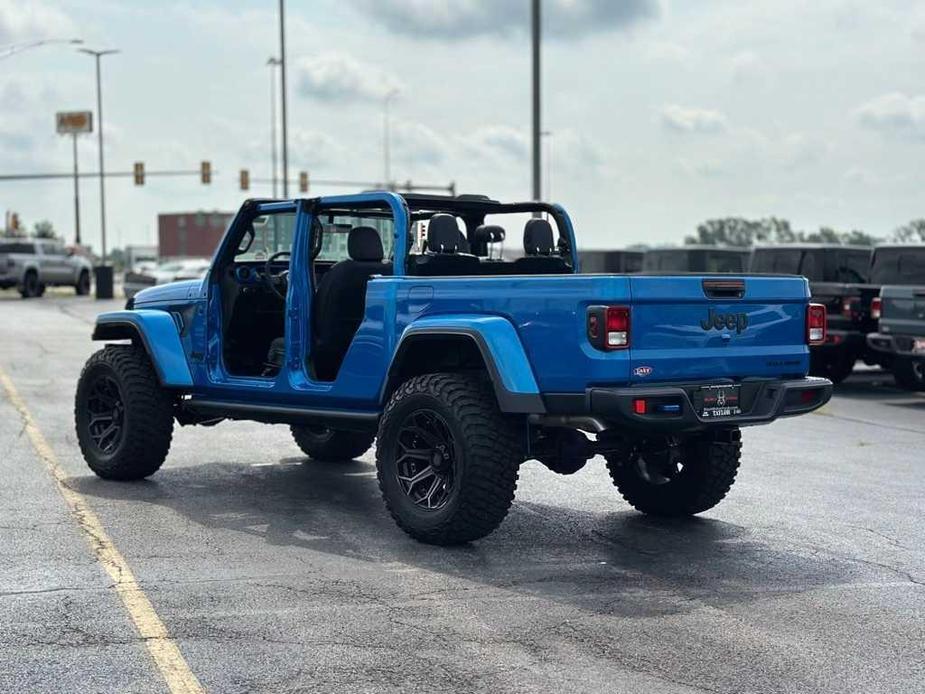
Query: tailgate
[(695, 327), (903, 310)]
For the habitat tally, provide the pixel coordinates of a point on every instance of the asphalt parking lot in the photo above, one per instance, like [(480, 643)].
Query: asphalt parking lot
[(271, 572)]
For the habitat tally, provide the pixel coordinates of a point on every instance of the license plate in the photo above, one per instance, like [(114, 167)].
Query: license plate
[(717, 402), (918, 346)]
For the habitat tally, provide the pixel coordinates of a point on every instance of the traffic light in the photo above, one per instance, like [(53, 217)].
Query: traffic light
[(303, 181), (14, 221), (245, 179), (139, 173), (205, 172)]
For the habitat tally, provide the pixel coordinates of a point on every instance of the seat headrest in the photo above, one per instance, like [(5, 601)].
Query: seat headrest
[(538, 238), (443, 235), (489, 233), (364, 244)]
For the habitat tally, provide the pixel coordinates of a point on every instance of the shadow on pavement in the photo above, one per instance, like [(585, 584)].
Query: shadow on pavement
[(615, 563)]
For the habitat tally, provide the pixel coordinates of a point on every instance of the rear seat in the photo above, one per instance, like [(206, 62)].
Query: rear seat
[(539, 247), (443, 257)]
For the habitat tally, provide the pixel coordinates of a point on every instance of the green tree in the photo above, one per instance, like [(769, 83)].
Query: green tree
[(910, 232), (44, 229), (738, 231)]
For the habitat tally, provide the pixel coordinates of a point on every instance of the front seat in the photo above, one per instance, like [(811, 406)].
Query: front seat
[(340, 300), (447, 251), (539, 248)]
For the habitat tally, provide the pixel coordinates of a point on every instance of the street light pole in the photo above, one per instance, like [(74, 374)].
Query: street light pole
[(273, 62), (282, 65), (386, 137), (537, 159), (99, 124)]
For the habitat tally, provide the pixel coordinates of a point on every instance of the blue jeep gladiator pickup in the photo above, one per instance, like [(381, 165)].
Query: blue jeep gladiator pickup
[(397, 319)]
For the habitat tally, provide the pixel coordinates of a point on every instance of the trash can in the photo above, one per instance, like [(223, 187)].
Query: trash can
[(103, 275)]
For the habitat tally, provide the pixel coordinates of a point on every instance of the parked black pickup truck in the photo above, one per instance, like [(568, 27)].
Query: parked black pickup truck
[(838, 278), (900, 341), (700, 259), (619, 262)]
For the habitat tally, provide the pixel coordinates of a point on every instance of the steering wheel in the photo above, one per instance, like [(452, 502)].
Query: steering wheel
[(278, 284)]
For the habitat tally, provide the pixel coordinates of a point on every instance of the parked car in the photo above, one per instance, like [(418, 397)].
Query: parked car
[(706, 259), (900, 308), (31, 265), (838, 278), (319, 314), (618, 261), (144, 274)]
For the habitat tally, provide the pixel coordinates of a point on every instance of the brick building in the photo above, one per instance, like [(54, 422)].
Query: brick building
[(190, 234)]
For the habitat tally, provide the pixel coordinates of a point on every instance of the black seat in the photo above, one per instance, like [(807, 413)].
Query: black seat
[(340, 300), (443, 256), (539, 249)]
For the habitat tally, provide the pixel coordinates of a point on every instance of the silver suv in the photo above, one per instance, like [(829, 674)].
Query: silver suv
[(33, 264)]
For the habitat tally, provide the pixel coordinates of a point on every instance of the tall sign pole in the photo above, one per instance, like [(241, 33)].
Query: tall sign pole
[(74, 123), (537, 131), (76, 195), (273, 62), (282, 65)]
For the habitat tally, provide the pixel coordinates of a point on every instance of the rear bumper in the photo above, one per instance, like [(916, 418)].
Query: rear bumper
[(900, 345), (762, 401)]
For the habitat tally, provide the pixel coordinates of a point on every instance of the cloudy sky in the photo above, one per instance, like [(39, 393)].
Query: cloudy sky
[(662, 112)]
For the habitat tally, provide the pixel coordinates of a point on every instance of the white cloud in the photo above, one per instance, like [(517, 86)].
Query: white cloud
[(693, 120), (896, 114), (459, 19), (340, 77), (25, 21)]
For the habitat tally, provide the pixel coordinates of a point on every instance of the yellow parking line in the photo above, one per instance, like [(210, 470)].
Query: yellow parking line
[(167, 657)]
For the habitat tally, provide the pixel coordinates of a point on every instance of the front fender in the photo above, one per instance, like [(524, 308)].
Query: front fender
[(501, 349), (157, 332)]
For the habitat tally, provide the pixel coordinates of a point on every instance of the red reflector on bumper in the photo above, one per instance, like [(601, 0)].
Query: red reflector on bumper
[(639, 406)]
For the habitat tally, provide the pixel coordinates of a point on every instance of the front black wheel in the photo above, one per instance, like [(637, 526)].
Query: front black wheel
[(672, 476), (31, 287), (909, 373), (447, 458), (323, 443), (83, 284), (124, 418)]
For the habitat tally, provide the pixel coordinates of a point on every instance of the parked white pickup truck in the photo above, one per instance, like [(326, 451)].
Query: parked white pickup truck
[(33, 264)]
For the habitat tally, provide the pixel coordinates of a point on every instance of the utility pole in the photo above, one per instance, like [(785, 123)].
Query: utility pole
[(273, 62), (76, 195), (282, 64), (537, 158)]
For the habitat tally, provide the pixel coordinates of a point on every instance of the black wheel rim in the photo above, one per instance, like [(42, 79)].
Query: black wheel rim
[(106, 411), (425, 459)]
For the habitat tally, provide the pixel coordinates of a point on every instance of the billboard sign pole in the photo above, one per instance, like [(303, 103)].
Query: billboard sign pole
[(74, 123)]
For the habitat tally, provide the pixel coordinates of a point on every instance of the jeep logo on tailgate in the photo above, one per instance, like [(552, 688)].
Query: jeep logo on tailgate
[(727, 321)]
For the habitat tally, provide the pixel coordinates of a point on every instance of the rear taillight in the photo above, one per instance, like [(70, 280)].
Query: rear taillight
[(815, 324), (849, 306), (876, 308), (608, 327)]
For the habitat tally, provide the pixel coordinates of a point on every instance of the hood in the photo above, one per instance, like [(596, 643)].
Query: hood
[(165, 293)]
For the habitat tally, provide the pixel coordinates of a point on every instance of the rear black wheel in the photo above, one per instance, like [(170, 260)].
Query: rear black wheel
[(124, 419), (447, 458), (31, 287), (83, 283), (673, 476), (836, 366), (323, 443), (909, 373)]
